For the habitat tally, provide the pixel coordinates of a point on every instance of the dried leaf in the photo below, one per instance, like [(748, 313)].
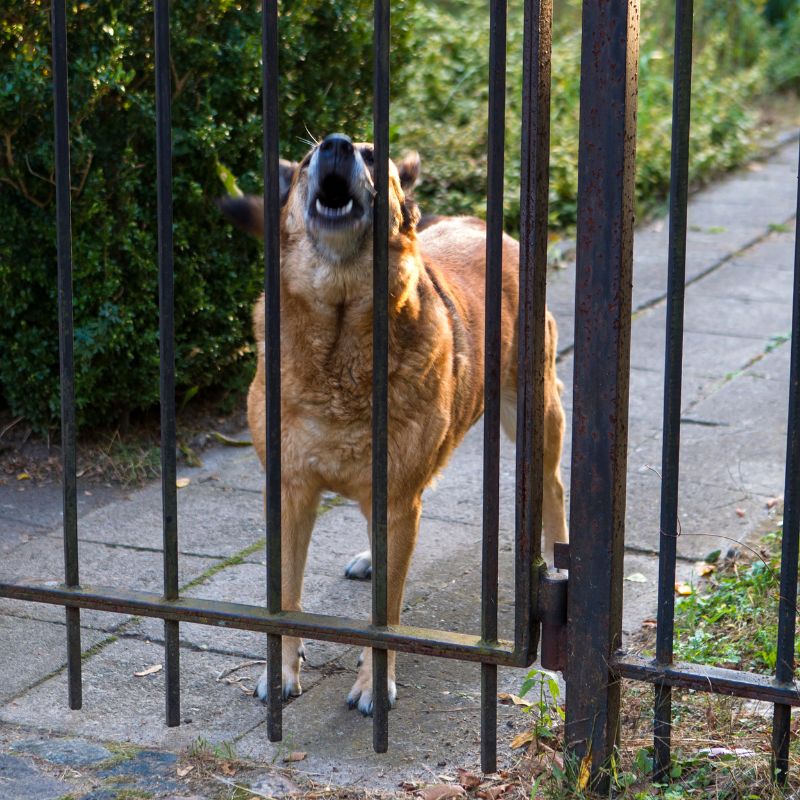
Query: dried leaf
[(227, 769), (223, 439), (184, 771), (149, 671), (297, 755), (506, 698), (683, 589), (703, 568), (649, 623), (491, 792), (740, 512), (441, 791), (585, 771), (773, 501), (409, 786), (636, 577), (182, 483), (23, 476), (469, 780), (522, 739)]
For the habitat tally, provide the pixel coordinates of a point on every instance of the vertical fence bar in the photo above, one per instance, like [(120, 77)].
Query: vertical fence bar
[(787, 606), (272, 346), (166, 318), (66, 344), (602, 353), (670, 458), (380, 369), (534, 186), (491, 368)]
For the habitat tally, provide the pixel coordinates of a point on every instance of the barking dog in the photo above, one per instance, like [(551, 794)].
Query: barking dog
[(436, 337)]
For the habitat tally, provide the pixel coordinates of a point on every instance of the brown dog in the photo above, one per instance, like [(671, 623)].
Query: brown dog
[(436, 337)]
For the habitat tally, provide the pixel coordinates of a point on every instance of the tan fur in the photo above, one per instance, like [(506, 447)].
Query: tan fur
[(435, 387)]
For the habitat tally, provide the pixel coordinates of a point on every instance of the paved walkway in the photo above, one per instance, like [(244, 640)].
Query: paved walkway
[(738, 317)]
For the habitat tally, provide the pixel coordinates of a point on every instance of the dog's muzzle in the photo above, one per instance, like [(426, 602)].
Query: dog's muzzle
[(339, 185)]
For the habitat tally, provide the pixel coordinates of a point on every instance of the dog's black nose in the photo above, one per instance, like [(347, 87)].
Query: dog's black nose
[(336, 146)]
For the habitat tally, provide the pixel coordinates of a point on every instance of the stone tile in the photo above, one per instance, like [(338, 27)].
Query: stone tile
[(119, 707), (64, 752), (32, 650), (100, 565), (213, 521), (21, 780)]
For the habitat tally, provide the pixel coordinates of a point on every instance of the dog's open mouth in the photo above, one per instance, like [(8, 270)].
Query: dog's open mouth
[(334, 205)]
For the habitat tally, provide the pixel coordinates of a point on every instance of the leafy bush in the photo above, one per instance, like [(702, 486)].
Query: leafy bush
[(443, 113), (326, 83)]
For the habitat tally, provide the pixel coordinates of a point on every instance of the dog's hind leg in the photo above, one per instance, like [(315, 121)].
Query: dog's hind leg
[(403, 524), (298, 512), (554, 518), (359, 568)]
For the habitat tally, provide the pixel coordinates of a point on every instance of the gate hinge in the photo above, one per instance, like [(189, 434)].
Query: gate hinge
[(553, 612)]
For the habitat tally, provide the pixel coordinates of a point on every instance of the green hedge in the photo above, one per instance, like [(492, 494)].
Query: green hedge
[(325, 85)]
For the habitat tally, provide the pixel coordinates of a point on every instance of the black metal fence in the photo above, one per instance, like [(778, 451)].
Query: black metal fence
[(593, 665)]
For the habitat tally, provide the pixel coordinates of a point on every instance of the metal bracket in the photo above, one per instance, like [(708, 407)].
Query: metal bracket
[(553, 612)]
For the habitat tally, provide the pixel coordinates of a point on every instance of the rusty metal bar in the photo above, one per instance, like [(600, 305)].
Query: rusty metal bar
[(670, 459), (491, 371), (600, 396), (699, 677), (272, 356), (380, 371), (66, 345), (787, 607), (534, 187), (425, 641), (166, 321)]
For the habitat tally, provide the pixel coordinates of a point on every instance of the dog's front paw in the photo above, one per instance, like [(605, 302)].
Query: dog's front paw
[(360, 568), (360, 695), (293, 652)]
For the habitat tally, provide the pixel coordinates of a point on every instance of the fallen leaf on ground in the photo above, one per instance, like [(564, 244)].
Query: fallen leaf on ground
[(506, 698), (585, 771), (683, 589), (492, 792), (469, 780), (227, 769), (649, 623), (184, 771), (409, 786), (522, 739), (223, 439), (182, 483), (441, 792), (636, 577), (702, 568), (149, 671), (297, 755), (773, 501), (23, 476), (740, 512)]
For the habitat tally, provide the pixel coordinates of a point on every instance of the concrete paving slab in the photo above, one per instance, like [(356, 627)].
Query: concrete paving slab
[(119, 707), (100, 565), (213, 521), (32, 650), (433, 730)]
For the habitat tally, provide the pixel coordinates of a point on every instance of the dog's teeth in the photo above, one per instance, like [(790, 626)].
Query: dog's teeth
[(332, 213), (348, 208), (320, 207)]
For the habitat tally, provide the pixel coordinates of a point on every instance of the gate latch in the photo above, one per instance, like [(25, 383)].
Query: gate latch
[(553, 612)]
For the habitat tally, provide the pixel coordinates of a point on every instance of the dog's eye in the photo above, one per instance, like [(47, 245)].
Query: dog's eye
[(368, 155)]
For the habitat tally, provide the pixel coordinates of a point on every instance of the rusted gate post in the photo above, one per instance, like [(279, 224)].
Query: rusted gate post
[(609, 62)]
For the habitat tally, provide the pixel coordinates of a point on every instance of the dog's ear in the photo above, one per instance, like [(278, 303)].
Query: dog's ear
[(286, 171), (408, 169), (411, 214), (245, 212)]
